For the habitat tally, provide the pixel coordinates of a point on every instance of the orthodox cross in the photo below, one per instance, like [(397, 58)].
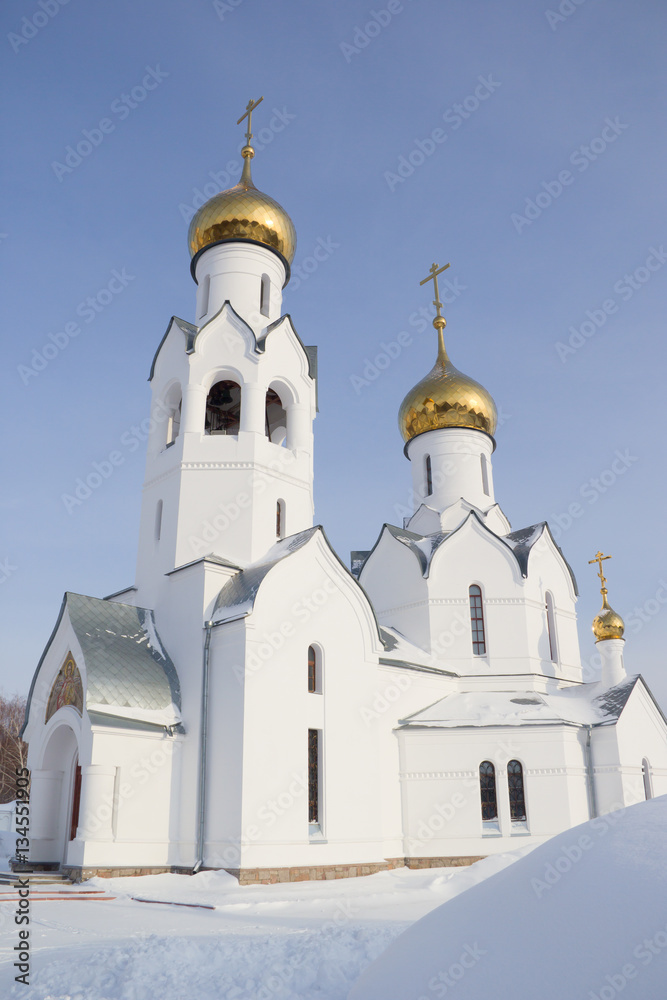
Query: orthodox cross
[(250, 107), (599, 559), (433, 276)]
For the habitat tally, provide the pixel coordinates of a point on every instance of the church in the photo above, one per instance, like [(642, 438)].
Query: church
[(250, 703)]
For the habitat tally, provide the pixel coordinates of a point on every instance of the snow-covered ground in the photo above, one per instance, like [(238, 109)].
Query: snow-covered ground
[(584, 915), (293, 941)]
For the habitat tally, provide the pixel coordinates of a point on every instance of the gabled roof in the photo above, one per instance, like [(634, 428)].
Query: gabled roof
[(128, 672), (583, 705), (187, 329), (424, 547)]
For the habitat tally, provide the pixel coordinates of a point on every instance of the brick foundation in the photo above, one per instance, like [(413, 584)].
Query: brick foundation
[(271, 876)]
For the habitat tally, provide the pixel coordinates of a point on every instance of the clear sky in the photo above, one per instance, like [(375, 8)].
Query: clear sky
[(523, 142)]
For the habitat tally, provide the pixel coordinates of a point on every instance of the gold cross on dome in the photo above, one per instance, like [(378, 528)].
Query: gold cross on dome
[(599, 559), (434, 271), (250, 107)]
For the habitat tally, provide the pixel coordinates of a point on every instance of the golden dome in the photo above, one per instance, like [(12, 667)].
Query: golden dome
[(608, 624), (446, 398), (243, 213)]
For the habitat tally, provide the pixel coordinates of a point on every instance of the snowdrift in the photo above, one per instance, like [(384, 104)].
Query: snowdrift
[(584, 915)]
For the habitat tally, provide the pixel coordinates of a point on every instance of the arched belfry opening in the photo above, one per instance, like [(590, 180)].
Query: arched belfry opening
[(275, 418), (223, 408)]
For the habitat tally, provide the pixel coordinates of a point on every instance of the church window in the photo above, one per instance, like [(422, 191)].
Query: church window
[(223, 408), (264, 295), (429, 476), (280, 519), (477, 621), (276, 418), (646, 775), (487, 787), (551, 627), (158, 520), (517, 797), (204, 296), (485, 475), (314, 670), (314, 776)]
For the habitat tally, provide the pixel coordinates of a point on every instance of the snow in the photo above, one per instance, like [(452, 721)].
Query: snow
[(583, 915), (153, 639), (292, 941)]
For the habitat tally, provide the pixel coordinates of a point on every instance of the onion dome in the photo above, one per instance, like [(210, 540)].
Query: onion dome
[(608, 624), (446, 398), (243, 213)]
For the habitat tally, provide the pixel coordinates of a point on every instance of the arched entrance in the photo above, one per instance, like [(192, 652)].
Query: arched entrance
[(54, 797)]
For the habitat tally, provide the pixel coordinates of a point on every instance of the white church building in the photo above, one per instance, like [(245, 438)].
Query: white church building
[(253, 705)]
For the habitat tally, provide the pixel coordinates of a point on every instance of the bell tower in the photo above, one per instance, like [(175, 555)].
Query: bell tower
[(229, 468)]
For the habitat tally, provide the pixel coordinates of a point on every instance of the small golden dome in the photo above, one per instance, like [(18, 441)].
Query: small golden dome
[(608, 624), (446, 398), (243, 213)]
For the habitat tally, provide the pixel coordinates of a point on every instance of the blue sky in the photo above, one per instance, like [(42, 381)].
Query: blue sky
[(543, 185)]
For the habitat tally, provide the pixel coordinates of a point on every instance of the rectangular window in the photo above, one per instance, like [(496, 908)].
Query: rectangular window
[(477, 621), (313, 776)]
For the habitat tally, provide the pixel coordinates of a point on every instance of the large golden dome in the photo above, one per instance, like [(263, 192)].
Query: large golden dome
[(446, 398), (243, 213), (608, 624)]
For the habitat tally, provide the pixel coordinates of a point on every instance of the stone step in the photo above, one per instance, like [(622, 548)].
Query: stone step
[(35, 878)]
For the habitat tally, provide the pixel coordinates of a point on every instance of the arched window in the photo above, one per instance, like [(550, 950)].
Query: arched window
[(487, 788), (264, 295), (429, 476), (477, 621), (485, 475), (517, 797), (280, 519), (158, 520), (223, 408), (646, 775), (276, 418), (314, 671), (204, 296), (551, 627)]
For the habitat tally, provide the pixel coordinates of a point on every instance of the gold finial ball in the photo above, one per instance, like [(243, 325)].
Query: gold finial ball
[(608, 625), (439, 322), (243, 213)]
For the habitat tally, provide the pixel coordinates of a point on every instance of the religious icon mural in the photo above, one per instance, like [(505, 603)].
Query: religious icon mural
[(67, 689)]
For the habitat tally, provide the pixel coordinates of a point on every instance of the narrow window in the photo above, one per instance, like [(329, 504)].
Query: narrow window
[(517, 798), (313, 776), (76, 802), (205, 292), (158, 520), (314, 671), (275, 418), (174, 423), (264, 295), (551, 627), (429, 476), (280, 518), (223, 408), (485, 475), (487, 787), (646, 775), (477, 621)]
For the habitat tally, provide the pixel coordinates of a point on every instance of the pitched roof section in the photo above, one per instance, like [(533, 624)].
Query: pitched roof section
[(582, 705), (237, 597), (187, 329), (128, 672)]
